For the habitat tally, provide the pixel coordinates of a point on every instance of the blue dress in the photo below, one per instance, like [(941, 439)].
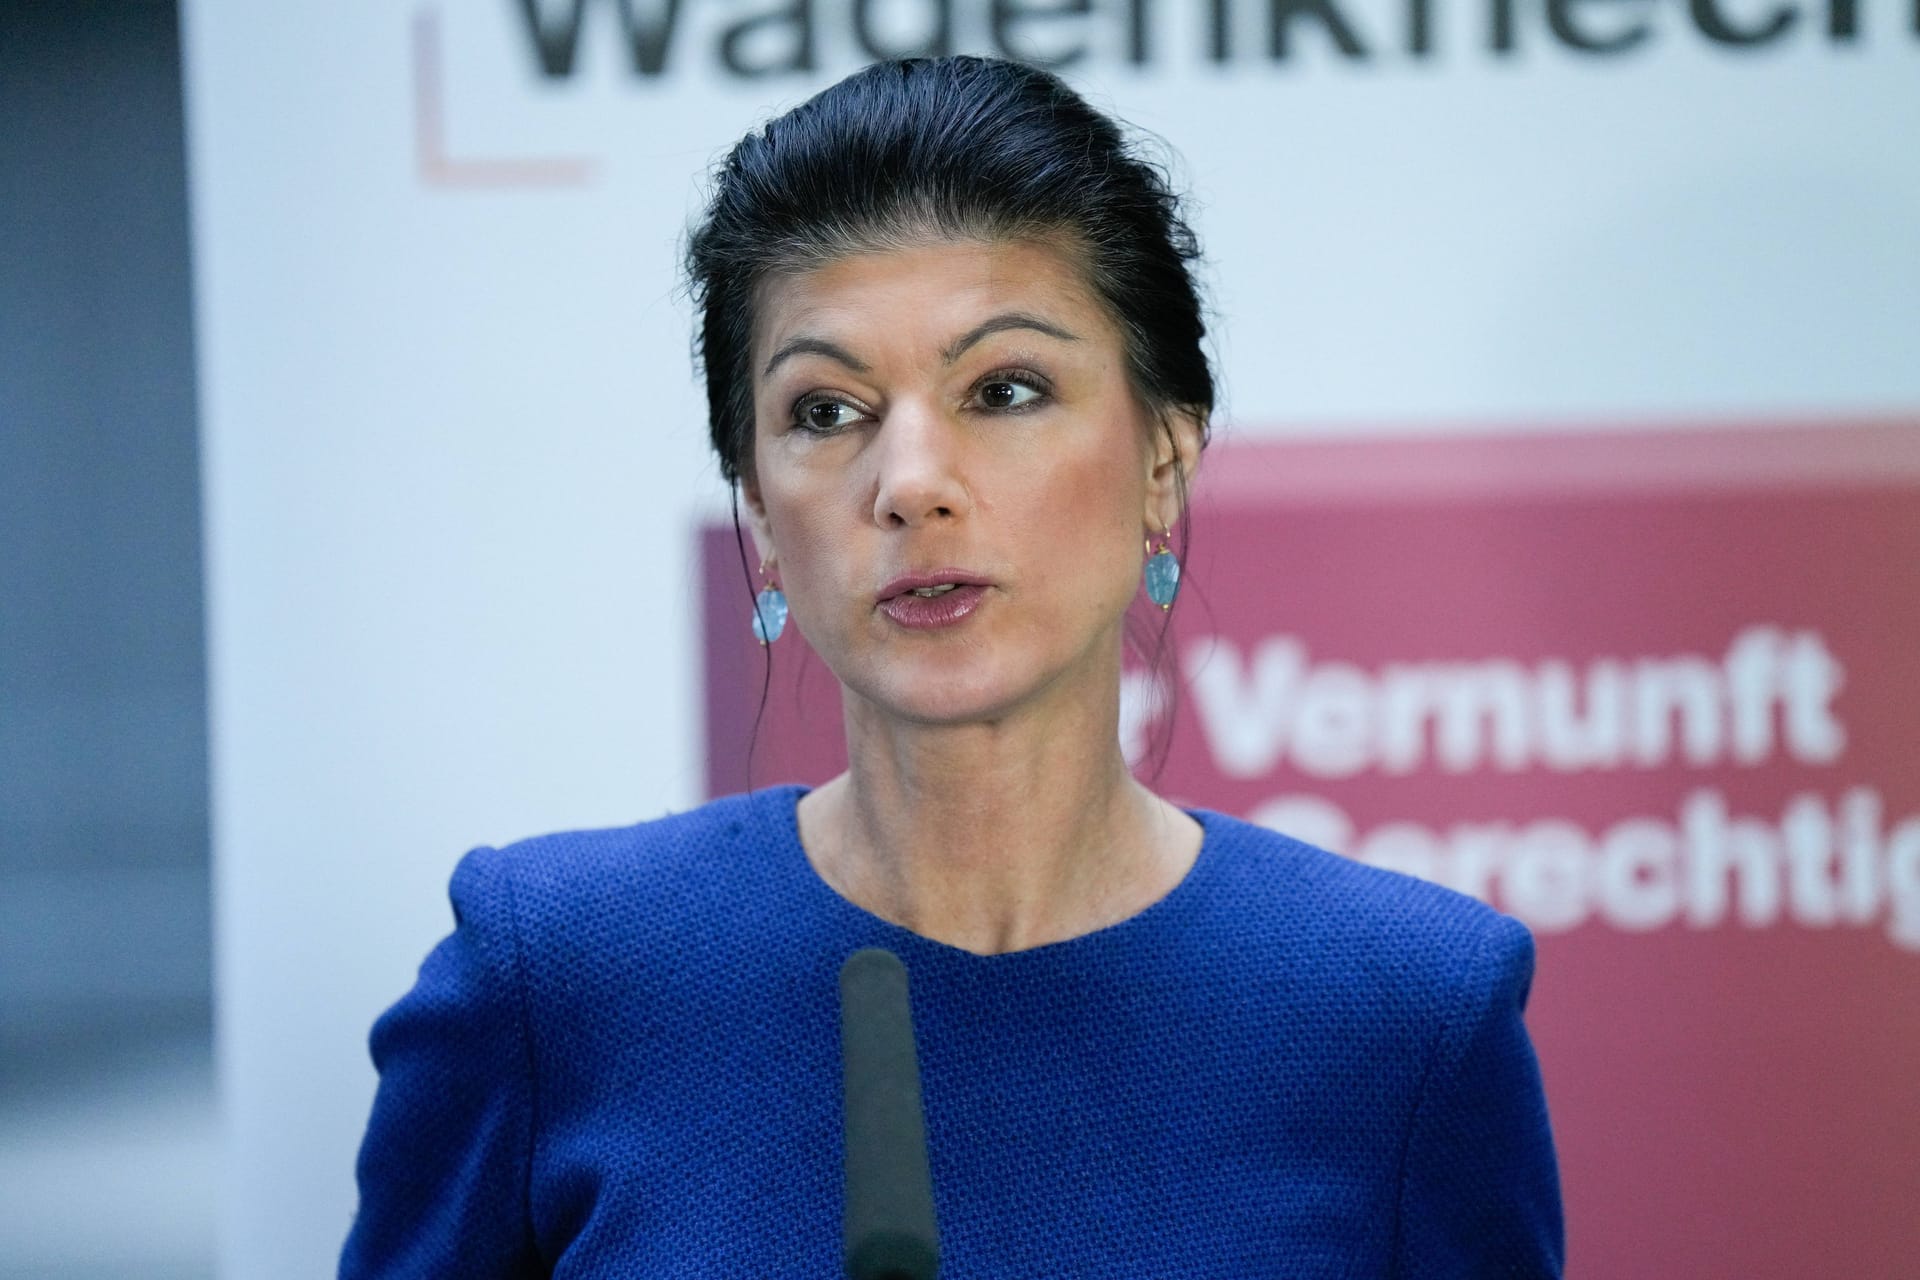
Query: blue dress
[(624, 1062)]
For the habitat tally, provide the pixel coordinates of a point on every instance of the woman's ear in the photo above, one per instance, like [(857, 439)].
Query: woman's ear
[(1175, 457), (756, 512)]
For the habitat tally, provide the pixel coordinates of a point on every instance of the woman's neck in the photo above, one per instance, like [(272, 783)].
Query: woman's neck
[(995, 837)]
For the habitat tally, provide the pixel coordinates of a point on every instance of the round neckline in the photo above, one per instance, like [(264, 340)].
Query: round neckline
[(795, 854)]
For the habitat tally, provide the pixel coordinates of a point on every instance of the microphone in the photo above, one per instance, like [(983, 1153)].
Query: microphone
[(891, 1234)]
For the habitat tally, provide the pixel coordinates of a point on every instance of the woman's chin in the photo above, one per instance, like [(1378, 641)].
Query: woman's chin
[(943, 698), (980, 685)]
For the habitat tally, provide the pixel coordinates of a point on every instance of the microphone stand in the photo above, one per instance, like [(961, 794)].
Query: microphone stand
[(890, 1229)]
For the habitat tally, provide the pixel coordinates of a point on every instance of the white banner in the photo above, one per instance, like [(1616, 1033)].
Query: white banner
[(455, 456)]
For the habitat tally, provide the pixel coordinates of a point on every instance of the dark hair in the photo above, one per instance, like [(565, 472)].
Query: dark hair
[(961, 147), (967, 147)]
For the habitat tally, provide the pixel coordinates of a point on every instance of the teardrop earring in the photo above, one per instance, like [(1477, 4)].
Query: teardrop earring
[(769, 609), (1162, 572)]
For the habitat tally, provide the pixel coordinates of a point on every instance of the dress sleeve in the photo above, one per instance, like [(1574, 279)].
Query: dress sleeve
[(1480, 1189), (444, 1167)]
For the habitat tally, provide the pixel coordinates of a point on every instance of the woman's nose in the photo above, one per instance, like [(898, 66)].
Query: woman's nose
[(921, 478)]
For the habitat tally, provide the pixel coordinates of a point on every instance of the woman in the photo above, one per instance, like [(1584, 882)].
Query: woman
[(954, 366)]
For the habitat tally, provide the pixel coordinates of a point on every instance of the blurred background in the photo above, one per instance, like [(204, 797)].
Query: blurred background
[(355, 510), (107, 1112)]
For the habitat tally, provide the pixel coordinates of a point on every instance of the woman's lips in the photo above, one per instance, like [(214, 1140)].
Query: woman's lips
[(931, 613)]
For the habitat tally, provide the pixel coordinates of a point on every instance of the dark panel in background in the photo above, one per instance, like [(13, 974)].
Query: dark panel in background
[(104, 922), (108, 1164)]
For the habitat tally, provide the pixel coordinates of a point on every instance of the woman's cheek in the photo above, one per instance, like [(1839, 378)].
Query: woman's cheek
[(819, 584)]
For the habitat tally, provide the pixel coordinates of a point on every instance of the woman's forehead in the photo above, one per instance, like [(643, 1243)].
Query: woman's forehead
[(932, 294)]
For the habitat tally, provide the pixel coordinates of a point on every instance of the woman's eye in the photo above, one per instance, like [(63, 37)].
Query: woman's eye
[(1007, 393), (825, 416)]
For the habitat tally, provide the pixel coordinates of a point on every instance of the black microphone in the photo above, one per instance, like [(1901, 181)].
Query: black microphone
[(891, 1233)]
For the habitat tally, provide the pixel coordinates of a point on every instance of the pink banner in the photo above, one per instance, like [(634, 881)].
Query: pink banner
[(1654, 693)]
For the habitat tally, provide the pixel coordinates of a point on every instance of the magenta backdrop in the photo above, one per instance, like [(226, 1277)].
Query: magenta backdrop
[(1656, 694)]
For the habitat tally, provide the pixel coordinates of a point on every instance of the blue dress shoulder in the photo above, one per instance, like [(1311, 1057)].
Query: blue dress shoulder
[(624, 1062)]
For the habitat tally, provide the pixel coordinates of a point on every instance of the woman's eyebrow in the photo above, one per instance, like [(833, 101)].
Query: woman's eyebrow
[(804, 345), (1000, 324), (815, 347)]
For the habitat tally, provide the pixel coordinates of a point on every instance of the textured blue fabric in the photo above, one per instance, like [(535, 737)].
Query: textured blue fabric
[(624, 1062)]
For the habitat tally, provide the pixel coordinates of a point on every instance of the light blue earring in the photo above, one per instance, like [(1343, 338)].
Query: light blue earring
[(769, 610), (1162, 573)]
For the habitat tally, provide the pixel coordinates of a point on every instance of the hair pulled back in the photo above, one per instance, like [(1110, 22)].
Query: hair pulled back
[(957, 147)]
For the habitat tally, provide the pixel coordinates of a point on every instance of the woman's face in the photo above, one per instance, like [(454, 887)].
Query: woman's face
[(953, 476)]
